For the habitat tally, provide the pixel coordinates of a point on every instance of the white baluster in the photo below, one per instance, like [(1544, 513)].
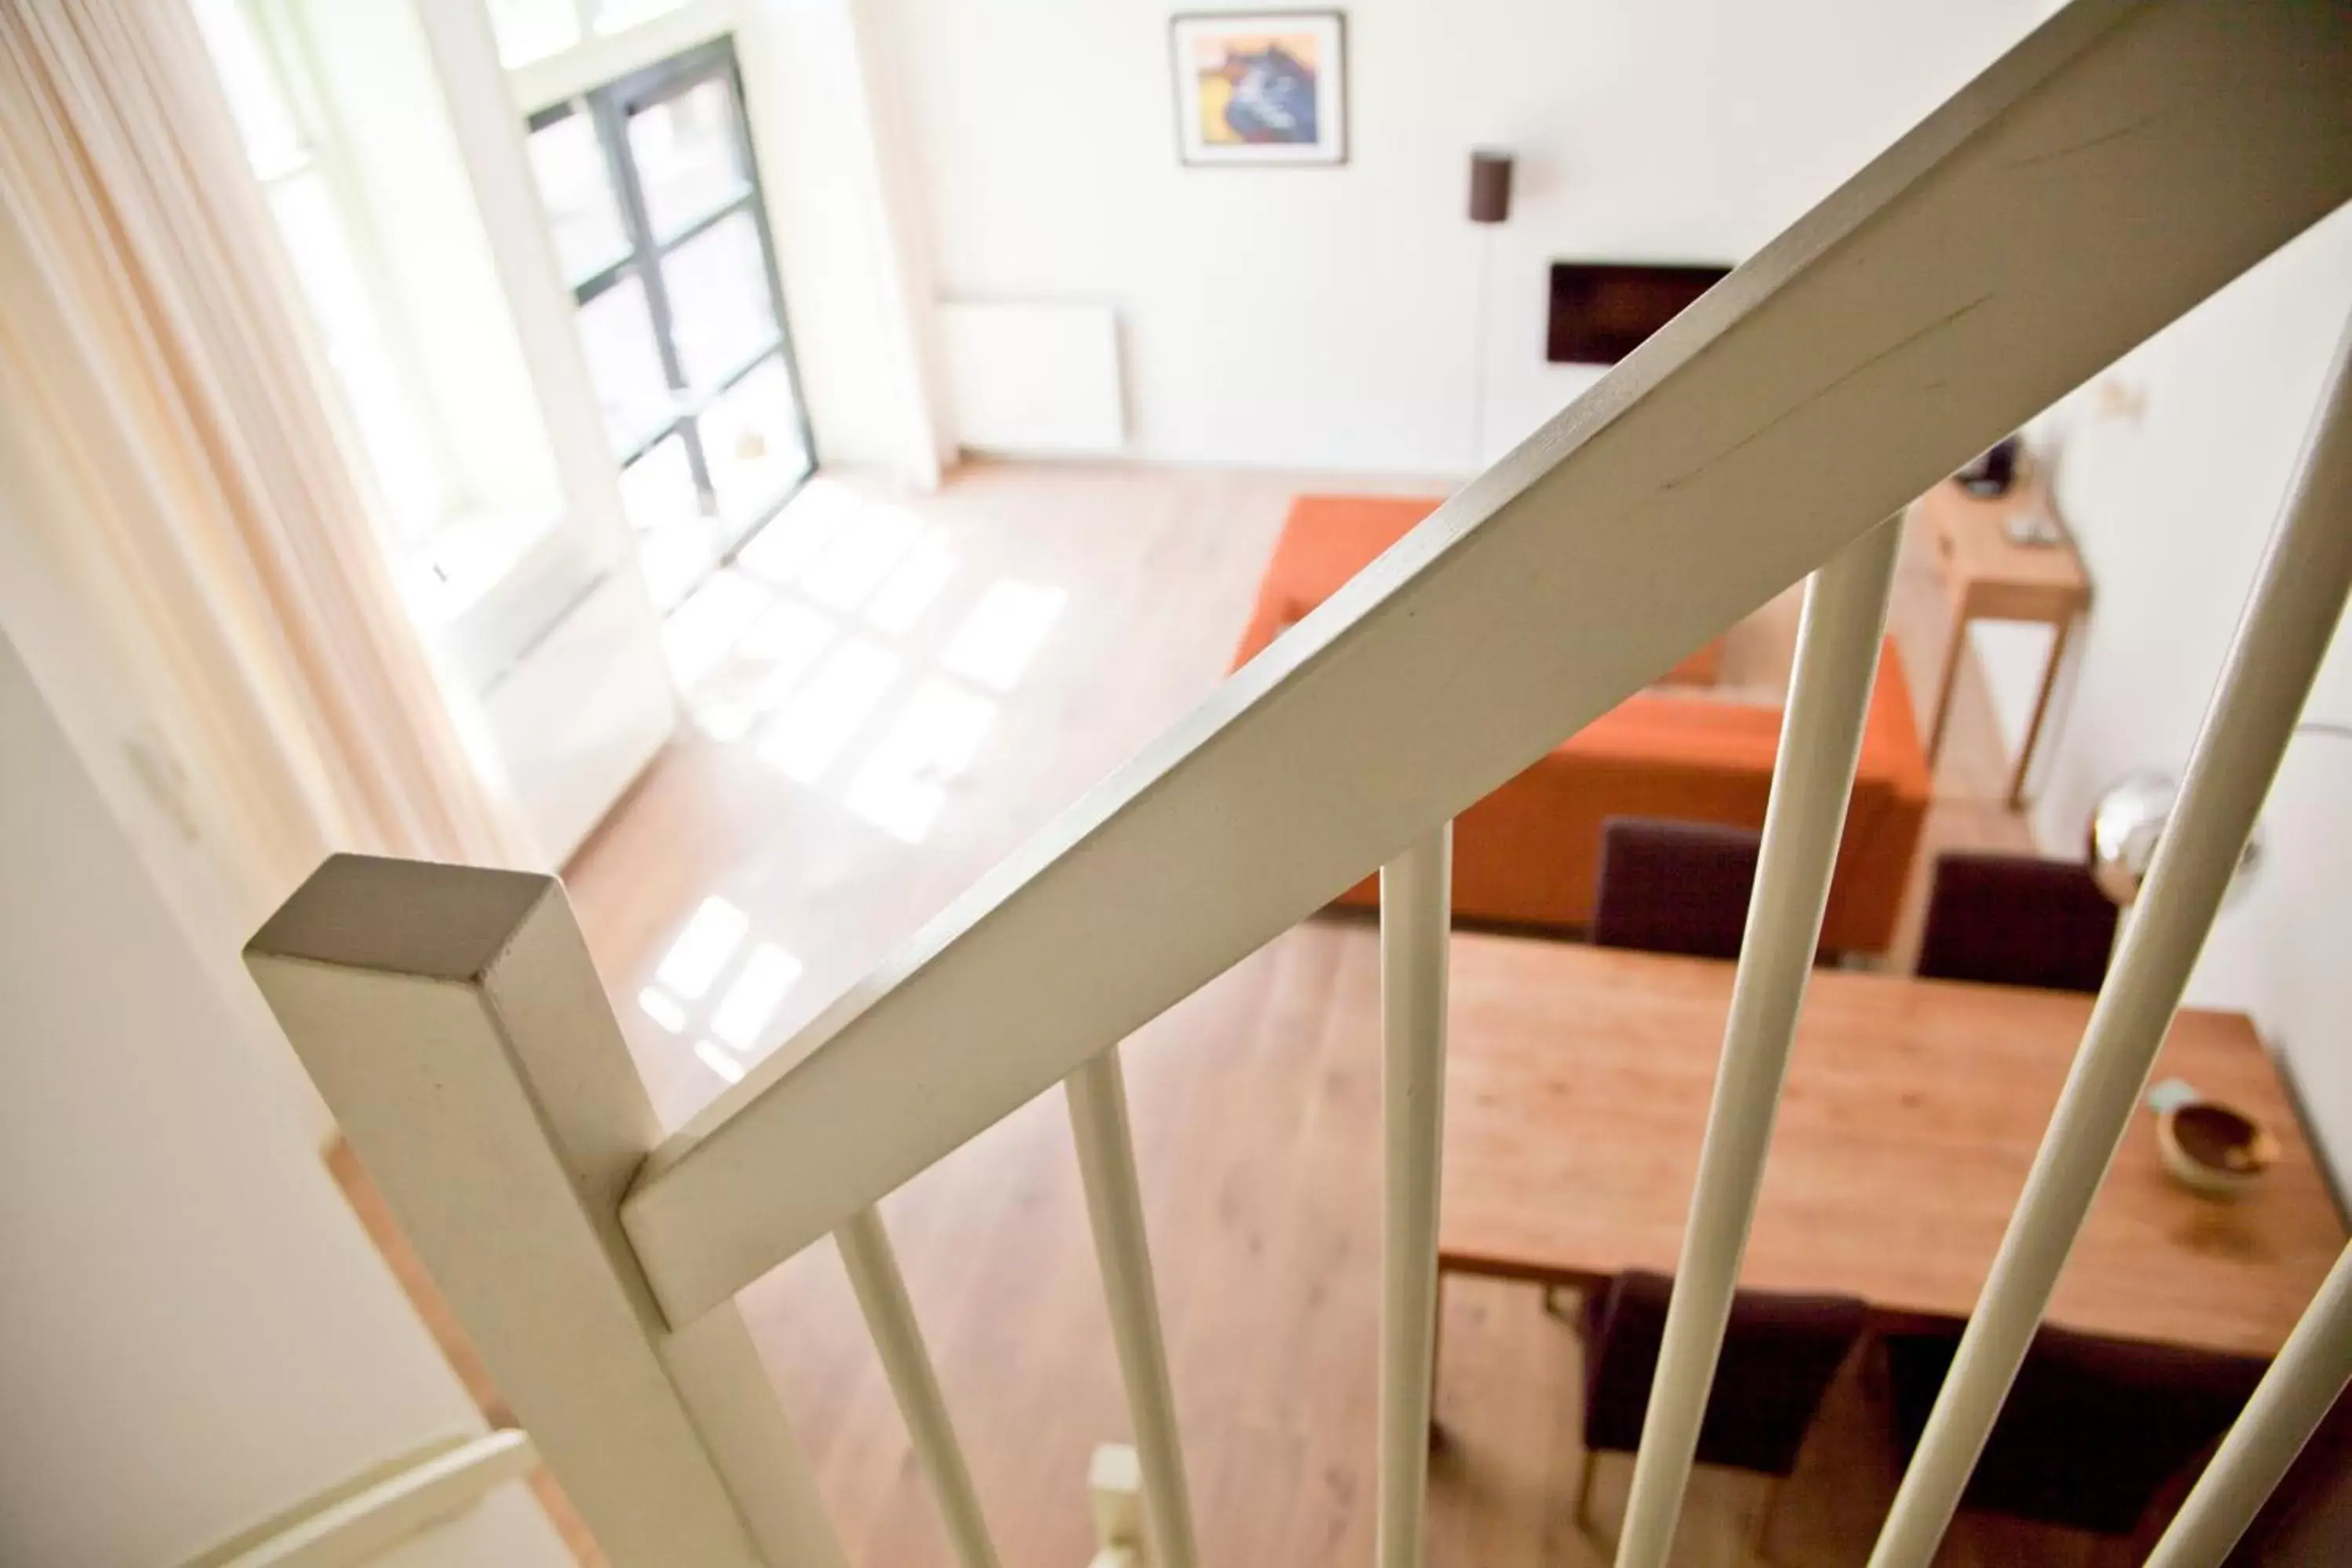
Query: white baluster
[(2288, 1405), (1416, 922), (2290, 619), (1098, 1124), (1812, 777), (898, 1340)]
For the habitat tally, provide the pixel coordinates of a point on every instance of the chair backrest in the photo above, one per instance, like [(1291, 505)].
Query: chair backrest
[(2094, 1428), (1779, 1354), (2014, 920), (1674, 886)]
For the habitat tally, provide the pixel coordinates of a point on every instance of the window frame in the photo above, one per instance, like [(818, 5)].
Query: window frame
[(610, 107), (486, 577)]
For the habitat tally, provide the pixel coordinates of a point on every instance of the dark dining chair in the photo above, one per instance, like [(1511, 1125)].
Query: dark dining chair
[(1779, 1354), (2014, 920), (1674, 886), (2094, 1428)]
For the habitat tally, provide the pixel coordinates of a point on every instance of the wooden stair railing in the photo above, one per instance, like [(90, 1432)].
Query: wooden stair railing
[(2115, 168)]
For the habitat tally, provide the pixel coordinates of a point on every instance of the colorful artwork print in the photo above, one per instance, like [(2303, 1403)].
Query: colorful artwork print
[(1257, 89), (1260, 88)]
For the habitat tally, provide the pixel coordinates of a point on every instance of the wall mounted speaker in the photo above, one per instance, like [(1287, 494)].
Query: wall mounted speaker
[(1490, 186)]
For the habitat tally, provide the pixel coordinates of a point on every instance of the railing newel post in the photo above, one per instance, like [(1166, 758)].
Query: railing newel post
[(453, 1020)]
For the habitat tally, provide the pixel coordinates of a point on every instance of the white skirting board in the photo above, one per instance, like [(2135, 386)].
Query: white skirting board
[(1033, 379)]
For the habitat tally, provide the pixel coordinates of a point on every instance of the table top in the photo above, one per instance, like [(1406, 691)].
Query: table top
[(1577, 1094), (1990, 573)]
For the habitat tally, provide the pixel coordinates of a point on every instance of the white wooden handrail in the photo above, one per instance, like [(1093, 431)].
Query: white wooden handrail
[(1891, 333), (2290, 616)]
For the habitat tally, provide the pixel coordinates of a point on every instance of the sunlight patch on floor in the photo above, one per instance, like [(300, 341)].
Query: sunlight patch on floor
[(859, 557), (662, 1008), (744, 1011), (898, 606), (1003, 632), (775, 655), (702, 949), (702, 633), (844, 649), (810, 732), (928, 746), (719, 1061), (810, 521)]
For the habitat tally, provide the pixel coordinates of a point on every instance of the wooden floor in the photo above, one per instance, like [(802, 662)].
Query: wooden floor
[(937, 748)]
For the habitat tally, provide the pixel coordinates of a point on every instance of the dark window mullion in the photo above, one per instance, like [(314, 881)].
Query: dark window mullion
[(651, 86), (595, 283), (647, 443), (689, 430), (613, 134), (706, 222), (611, 107), (699, 403), (775, 350)]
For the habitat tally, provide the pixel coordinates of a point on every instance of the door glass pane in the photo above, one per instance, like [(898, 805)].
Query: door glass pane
[(677, 541), (752, 438), (687, 156), (578, 191), (617, 330), (719, 303), (528, 30)]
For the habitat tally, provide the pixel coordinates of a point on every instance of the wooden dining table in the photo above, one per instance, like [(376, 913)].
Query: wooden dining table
[(1578, 1082)]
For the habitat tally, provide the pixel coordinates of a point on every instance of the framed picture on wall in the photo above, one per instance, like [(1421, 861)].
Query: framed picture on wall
[(1260, 87)]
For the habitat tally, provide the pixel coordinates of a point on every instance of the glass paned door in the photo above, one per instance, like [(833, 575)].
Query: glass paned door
[(654, 202)]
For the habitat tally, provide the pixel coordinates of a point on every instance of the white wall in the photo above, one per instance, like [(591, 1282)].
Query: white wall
[(2172, 505), (198, 1335), (1326, 317), (828, 130)]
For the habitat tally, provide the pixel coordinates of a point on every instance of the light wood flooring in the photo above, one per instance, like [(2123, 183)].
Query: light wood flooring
[(1255, 1102)]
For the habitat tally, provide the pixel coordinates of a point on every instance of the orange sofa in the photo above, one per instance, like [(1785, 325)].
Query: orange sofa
[(1528, 854)]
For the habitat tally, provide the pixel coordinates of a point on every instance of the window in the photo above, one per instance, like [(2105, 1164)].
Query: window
[(654, 205), (405, 308), (284, 151)]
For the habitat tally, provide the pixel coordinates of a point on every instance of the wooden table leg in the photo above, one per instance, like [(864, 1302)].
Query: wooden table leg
[(1944, 692), (2060, 631)]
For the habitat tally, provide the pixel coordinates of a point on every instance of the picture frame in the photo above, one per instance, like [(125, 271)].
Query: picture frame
[(1259, 87)]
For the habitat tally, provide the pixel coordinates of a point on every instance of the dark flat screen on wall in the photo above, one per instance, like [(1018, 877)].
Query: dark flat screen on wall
[(1601, 313)]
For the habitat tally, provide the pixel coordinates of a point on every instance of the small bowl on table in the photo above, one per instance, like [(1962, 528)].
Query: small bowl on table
[(2214, 1149)]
